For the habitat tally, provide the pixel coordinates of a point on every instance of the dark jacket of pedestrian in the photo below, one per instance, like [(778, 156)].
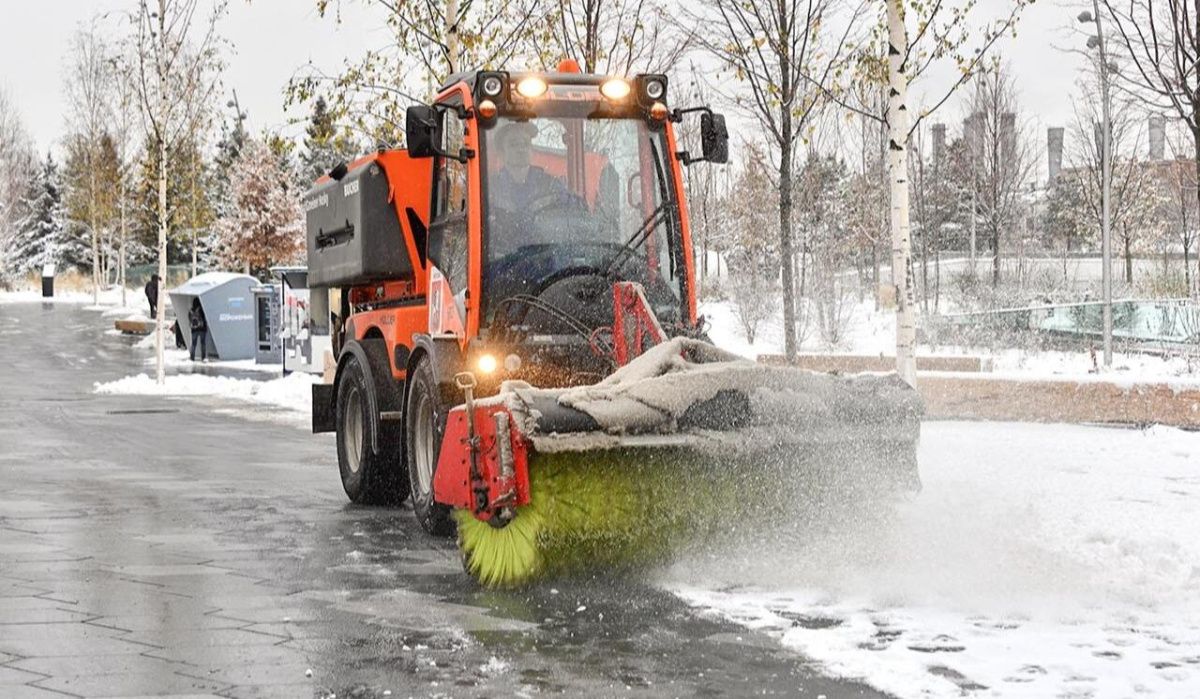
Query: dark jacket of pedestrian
[(199, 325), (152, 295)]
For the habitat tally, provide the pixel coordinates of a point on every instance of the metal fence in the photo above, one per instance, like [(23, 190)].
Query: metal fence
[(1162, 323)]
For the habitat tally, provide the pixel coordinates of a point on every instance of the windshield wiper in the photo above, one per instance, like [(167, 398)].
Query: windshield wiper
[(638, 239)]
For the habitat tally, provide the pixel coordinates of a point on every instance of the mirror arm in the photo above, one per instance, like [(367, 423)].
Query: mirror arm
[(677, 115), (459, 110), (462, 156), (685, 158)]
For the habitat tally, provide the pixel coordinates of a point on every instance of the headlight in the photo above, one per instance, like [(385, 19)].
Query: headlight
[(492, 85), (486, 363), (615, 89), (531, 87), (655, 89)]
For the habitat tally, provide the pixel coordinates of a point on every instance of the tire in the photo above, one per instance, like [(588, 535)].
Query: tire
[(367, 477), (424, 424)]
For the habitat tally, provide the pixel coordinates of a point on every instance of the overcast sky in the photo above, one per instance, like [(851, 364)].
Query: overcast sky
[(270, 39)]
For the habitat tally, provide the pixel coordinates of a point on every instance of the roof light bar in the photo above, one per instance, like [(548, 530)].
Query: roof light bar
[(531, 87), (615, 89)]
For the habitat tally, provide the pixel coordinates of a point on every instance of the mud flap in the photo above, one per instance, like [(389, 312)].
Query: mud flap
[(324, 411)]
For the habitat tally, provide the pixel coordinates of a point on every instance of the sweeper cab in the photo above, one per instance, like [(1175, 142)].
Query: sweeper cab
[(510, 294)]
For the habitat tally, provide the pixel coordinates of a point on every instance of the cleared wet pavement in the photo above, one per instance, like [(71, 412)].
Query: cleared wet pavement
[(190, 547)]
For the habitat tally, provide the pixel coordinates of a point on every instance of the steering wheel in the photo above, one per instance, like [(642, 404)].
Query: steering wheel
[(563, 199), (582, 289)]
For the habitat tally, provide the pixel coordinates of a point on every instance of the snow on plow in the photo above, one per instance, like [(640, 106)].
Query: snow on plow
[(668, 451)]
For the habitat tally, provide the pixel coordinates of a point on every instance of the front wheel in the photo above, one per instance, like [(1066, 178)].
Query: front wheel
[(368, 478), (424, 425)]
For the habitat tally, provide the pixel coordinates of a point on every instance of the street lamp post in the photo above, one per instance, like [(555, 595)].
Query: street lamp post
[(1097, 42)]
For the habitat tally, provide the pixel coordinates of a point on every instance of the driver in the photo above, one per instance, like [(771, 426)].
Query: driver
[(519, 185)]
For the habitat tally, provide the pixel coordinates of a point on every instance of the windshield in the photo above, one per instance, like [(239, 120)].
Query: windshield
[(566, 198)]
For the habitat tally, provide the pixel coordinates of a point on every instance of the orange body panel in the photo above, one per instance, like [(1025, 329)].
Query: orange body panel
[(685, 227), (411, 184), (397, 327), (405, 311)]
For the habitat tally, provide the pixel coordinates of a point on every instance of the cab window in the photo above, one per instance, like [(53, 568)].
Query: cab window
[(448, 229)]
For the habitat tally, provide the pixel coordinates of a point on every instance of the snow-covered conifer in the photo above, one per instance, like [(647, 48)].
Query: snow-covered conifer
[(41, 234), (325, 145)]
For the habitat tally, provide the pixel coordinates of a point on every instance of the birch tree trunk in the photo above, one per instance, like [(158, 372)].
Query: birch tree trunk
[(160, 70), (452, 45), (160, 370), (192, 210), (124, 239), (786, 246), (897, 118), (96, 271)]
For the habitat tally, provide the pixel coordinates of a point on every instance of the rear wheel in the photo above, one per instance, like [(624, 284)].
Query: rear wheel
[(367, 477), (424, 425)]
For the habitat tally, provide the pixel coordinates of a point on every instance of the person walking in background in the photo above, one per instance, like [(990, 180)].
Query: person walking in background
[(199, 330), (152, 295)]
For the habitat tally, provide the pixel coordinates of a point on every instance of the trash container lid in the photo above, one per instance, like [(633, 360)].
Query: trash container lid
[(48, 270)]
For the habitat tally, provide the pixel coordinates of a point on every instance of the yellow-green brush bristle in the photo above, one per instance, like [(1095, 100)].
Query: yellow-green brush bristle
[(600, 510)]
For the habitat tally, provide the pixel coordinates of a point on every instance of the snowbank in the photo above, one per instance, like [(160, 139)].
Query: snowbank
[(178, 358), (1039, 560), (35, 296), (292, 392), (110, 299)]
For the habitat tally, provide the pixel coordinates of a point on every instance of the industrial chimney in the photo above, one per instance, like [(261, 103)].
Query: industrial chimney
[(1157, 137), (1008, 135), (939, 143), (1054, 151)]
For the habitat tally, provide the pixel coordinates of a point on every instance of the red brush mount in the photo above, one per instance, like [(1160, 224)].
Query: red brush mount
[(484, 461), (635, 328), (486, 472)]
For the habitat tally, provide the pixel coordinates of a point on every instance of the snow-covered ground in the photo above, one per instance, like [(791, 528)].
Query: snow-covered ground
[(1038, 561), (871, 332), (78, 297), (291, 392)]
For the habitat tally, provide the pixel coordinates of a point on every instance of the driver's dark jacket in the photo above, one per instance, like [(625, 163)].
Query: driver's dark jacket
[(507, 193)]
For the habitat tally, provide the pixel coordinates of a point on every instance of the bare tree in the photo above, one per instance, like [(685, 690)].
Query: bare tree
[(123, 108), (786, 52), (1130, 202), (17, 162), (867, 200), (1002, 157), (177, 62), (894, 57), (937, 202), (88, 83), (429, 40), (1157, 48), (754, 254), (1181, 211), (616, 37), (1066, 218), (825, 195)]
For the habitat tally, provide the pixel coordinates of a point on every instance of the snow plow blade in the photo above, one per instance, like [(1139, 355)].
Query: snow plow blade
[(677, 447)]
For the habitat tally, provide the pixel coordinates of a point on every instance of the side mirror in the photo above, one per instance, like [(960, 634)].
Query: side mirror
[(422, 131), (714, 138)]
